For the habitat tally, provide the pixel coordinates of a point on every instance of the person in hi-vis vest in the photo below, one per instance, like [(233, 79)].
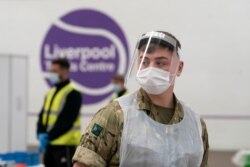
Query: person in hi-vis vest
[(58, 126), (119, 87)]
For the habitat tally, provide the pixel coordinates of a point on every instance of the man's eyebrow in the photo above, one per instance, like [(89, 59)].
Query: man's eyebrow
[(141, 57), (162, 57)]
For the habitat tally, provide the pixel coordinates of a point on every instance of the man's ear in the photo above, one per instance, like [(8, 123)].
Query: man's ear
[(180, 68)]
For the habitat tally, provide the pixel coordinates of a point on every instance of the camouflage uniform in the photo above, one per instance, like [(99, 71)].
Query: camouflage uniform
[(100, 144)]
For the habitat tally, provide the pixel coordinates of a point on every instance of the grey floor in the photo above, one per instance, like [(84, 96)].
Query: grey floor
[(220, 159)]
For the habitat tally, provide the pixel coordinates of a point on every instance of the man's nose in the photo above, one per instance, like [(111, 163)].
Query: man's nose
[(152, 64)]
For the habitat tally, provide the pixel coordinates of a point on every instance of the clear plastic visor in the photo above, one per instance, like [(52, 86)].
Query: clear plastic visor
[(154, 50)]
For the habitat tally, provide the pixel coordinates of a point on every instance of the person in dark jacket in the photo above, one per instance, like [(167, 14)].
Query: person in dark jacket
[(58, 126)]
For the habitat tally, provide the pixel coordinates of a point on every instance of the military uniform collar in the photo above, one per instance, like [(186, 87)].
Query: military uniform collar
[(145, 104)]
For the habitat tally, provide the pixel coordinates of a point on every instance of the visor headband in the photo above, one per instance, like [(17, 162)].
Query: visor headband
[(159, 35)]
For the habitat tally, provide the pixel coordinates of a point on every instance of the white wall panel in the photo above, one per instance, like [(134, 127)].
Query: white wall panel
[(13, 98), (19, 100), (4, 103)]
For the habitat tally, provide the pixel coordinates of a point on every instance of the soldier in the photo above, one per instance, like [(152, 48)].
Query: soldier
[(149, 127)]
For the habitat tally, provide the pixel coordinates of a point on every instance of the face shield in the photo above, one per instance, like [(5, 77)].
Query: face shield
[(154, 63)]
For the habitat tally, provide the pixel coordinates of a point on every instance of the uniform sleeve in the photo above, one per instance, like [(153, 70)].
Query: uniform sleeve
[(99, 142), (40, 127), (205, 144)]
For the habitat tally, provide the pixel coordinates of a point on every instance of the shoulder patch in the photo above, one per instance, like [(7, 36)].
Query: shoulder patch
[(97, 129)]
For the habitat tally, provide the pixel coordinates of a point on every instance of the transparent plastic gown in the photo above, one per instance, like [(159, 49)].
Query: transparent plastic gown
[(147, 143)]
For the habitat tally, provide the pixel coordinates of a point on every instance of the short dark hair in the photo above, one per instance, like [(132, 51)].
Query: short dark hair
[(118, 77), (62, 62)]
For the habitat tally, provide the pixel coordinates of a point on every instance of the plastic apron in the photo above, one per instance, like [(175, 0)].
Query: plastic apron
[(147, 143)]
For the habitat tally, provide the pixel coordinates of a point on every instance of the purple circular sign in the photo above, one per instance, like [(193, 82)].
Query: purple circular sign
[(96, 47)]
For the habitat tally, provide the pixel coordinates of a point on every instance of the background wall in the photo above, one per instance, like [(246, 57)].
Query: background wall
[(214, 36)]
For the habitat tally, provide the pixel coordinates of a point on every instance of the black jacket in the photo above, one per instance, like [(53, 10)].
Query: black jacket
[(67, 117)]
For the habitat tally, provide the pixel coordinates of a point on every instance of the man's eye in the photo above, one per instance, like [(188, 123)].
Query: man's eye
[(145, 62), (161, 63)]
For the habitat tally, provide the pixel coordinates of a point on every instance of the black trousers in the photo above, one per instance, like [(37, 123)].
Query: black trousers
[(59, 156)]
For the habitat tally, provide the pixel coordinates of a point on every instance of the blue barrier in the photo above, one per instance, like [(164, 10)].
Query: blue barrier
[(28, 158)]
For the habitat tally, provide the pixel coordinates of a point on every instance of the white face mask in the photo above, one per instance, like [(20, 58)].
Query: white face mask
[(153, 80), (54, 78)]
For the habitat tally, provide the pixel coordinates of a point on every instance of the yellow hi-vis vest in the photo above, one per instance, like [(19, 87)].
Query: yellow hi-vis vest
[(115, 96), (71, 137)]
